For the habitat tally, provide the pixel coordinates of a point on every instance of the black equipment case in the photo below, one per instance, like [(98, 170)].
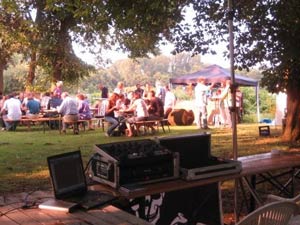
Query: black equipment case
[(196, 161)]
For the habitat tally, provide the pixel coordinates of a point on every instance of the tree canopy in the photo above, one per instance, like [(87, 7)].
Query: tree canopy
[(12, 38), (53, 25), (266, 34)]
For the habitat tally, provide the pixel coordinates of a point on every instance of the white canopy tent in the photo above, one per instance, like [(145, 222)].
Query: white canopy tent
[(215, 73)]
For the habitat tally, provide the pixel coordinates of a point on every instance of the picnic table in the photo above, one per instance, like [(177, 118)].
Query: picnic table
[(46, 120), (17, 211), (280, 170), (268, 167), (40, 119)]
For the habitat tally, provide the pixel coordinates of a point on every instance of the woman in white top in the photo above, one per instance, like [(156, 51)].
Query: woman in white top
[(140, 112)]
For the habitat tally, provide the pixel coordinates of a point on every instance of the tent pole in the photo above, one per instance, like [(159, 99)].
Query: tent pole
[(233, 91), (233, 86), (257, 102)]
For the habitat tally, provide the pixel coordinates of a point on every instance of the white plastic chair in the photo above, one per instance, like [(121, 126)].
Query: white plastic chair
[(272, 198), (296, 199), (275, 213)]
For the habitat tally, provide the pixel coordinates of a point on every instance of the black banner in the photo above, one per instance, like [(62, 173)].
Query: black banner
[(200, 205)]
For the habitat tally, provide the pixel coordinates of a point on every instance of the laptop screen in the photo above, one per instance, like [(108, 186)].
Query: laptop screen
[(67, 174)]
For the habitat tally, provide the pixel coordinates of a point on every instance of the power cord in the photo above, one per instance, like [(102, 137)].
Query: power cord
[(89, 162), (27, 204), (87, 175)]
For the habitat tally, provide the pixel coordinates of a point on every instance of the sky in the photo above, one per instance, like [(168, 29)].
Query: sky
[(114, 56), (188, 14)]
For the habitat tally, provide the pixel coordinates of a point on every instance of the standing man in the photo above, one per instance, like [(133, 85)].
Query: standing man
[(119, 88), (58, 88), (104, 91), (170, 101), (225, 103), (139, 89), (160, 91), (201, 102)]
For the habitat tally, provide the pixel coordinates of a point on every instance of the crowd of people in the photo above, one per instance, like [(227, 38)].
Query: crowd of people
[(14, 106), (123, 109), (222, 97), (120, 108)]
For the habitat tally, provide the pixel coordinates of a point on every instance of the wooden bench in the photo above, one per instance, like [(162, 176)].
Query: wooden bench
[(29, 121), (84, 121), (15, 210), (12, 121), (163, 123), (26, 121), (99, 120), (46, 121), (43, 120), (150, 124)]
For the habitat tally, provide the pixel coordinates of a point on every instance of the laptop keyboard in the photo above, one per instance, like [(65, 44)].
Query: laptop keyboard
[(94, 199)]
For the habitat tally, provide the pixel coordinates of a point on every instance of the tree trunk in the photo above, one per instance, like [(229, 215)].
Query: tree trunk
[(3, 66), (63, 47), (292, 129), (1, 78), (57, 65), (31, 72)]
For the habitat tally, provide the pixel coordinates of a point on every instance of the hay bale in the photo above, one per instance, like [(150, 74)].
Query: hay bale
[(190, 117), (181, 117)]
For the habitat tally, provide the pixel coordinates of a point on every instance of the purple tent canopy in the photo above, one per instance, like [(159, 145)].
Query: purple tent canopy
[(213, 73)]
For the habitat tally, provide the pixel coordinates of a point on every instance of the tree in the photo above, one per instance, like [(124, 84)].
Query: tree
[(12, 39), (142, 71), (133, 26), (267, 33)]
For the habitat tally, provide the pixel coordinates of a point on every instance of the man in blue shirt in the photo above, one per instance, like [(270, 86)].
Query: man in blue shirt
[(33, 106), (69, 111)]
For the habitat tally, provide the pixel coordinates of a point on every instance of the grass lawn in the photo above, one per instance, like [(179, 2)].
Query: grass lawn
[(23, 153)]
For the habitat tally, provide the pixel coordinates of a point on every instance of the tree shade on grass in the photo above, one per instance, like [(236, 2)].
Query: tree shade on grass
[(23, 153)]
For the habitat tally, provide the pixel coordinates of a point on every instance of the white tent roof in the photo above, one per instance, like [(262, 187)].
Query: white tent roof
[(213, 73)]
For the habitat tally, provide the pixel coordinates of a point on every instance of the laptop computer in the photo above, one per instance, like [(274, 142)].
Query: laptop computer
[(69, 181)]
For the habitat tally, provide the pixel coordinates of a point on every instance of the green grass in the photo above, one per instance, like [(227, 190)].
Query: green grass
[(23, 153)]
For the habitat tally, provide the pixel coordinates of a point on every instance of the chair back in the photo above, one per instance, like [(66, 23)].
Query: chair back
[(273, 198), (275, 213)]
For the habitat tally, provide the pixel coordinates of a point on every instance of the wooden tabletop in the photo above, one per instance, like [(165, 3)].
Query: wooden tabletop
[(12, 213), (268, 162), (251, 165)]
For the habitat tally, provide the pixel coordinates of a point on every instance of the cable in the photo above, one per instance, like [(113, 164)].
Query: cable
[(10, 210), (87, 175), (89, 162), (3, 214), (26, 205)]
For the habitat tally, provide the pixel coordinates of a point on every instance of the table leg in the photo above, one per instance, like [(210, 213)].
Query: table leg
[(254, 195), (59, 123), (44, 126)]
